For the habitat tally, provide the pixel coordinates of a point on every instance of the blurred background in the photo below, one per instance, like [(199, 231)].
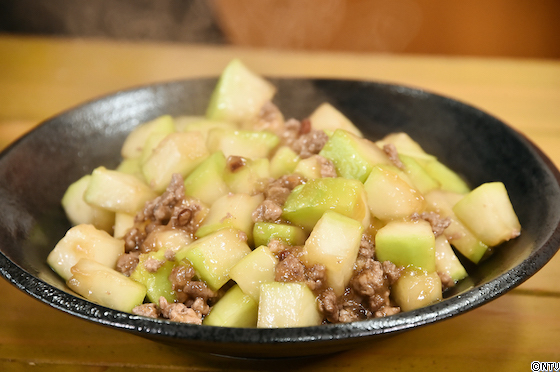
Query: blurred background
[(489, 28)]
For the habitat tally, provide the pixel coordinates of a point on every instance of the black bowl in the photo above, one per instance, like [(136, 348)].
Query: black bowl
[(36, 170)]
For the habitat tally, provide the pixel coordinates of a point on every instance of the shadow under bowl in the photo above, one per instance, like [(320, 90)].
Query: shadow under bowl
[(36, 170)]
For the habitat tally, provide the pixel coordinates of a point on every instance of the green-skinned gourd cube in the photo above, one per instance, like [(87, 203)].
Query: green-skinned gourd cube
[(214, 255), (407, 243), (256, 268), (206, 182), (235, 309), (308, 202)]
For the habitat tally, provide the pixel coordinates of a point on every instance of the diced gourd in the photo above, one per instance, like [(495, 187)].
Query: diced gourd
[(214, 255), (448, 179), (488, 213), (135, 141), (389, 197), (249, 144), (105, 286), (416, 288), (131, 166), (117, 192), (309, 168), (353, 157), (239, 94), (284, 305), (264, 232), (151, 143), (235, 309), (231, 210), (407, 243), (123, 223), (447, 261), (307, 203), (204, 126), (247, 178), (334, 243), (457, 233), (328, 118), (177, 153), (206, 182), (84, 241), (283, 162), (80, 212), (420, 179), (256, 268), (153, 271), (405, 146), (168, 239)]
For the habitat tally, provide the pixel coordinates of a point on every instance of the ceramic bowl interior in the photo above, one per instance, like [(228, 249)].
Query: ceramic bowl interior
[(36, 170)]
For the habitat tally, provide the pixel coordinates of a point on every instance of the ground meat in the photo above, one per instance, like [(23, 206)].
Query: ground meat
[(366, 253), (152, 265), (438, 223), (267, 211), (316, 277), (276, 246), (270, 118), (171, 210), (392, 271), (290, 269), (277, 194), (290, 132), (149, 310), (369, 281), (127, 262), (197, 289), (235, 162), (179, 312), (310, 143), (393, 155), (180, 275), (327, 167), (446, 280), (328, 305)]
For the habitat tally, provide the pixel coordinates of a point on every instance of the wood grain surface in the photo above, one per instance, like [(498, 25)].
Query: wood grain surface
[(40, 77)]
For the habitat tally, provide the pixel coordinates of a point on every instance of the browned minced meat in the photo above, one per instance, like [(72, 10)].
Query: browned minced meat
[(152, 265), (275, 192), (127, 262), (276, 246), (268, 211), (149, 310), (270, 118), (179, 312), (438, 223), (327, 167), (368, 294), (171, 209), (304, 140), (291, 269), (446, 280), (235, 162), (393, 155), (180, 276)]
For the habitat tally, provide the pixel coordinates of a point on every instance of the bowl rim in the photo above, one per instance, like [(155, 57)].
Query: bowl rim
[(456, 305)]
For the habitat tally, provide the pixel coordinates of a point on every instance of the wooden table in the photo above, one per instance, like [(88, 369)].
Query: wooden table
[(42, 76)]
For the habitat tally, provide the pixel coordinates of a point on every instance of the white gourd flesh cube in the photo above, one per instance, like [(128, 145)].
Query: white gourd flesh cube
[(214, 255), (256, 268), (177, 153), (389, 196), (117, 192), (283, 305), (106, 286), (334, 243), (239, 94), (416, 288), (447, 261), (328, 118), (233, 211), (80, 212), (488, 213), (135, 141), (235, 309), (84, 241), (206, 182)]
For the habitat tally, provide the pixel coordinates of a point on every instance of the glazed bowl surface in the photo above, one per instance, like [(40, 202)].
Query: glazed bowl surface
[(36, 170)]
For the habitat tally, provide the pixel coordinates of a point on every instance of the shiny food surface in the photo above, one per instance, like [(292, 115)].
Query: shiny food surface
[(42, 77)]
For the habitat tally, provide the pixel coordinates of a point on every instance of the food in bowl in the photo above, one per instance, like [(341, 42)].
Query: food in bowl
[(243, 219)]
